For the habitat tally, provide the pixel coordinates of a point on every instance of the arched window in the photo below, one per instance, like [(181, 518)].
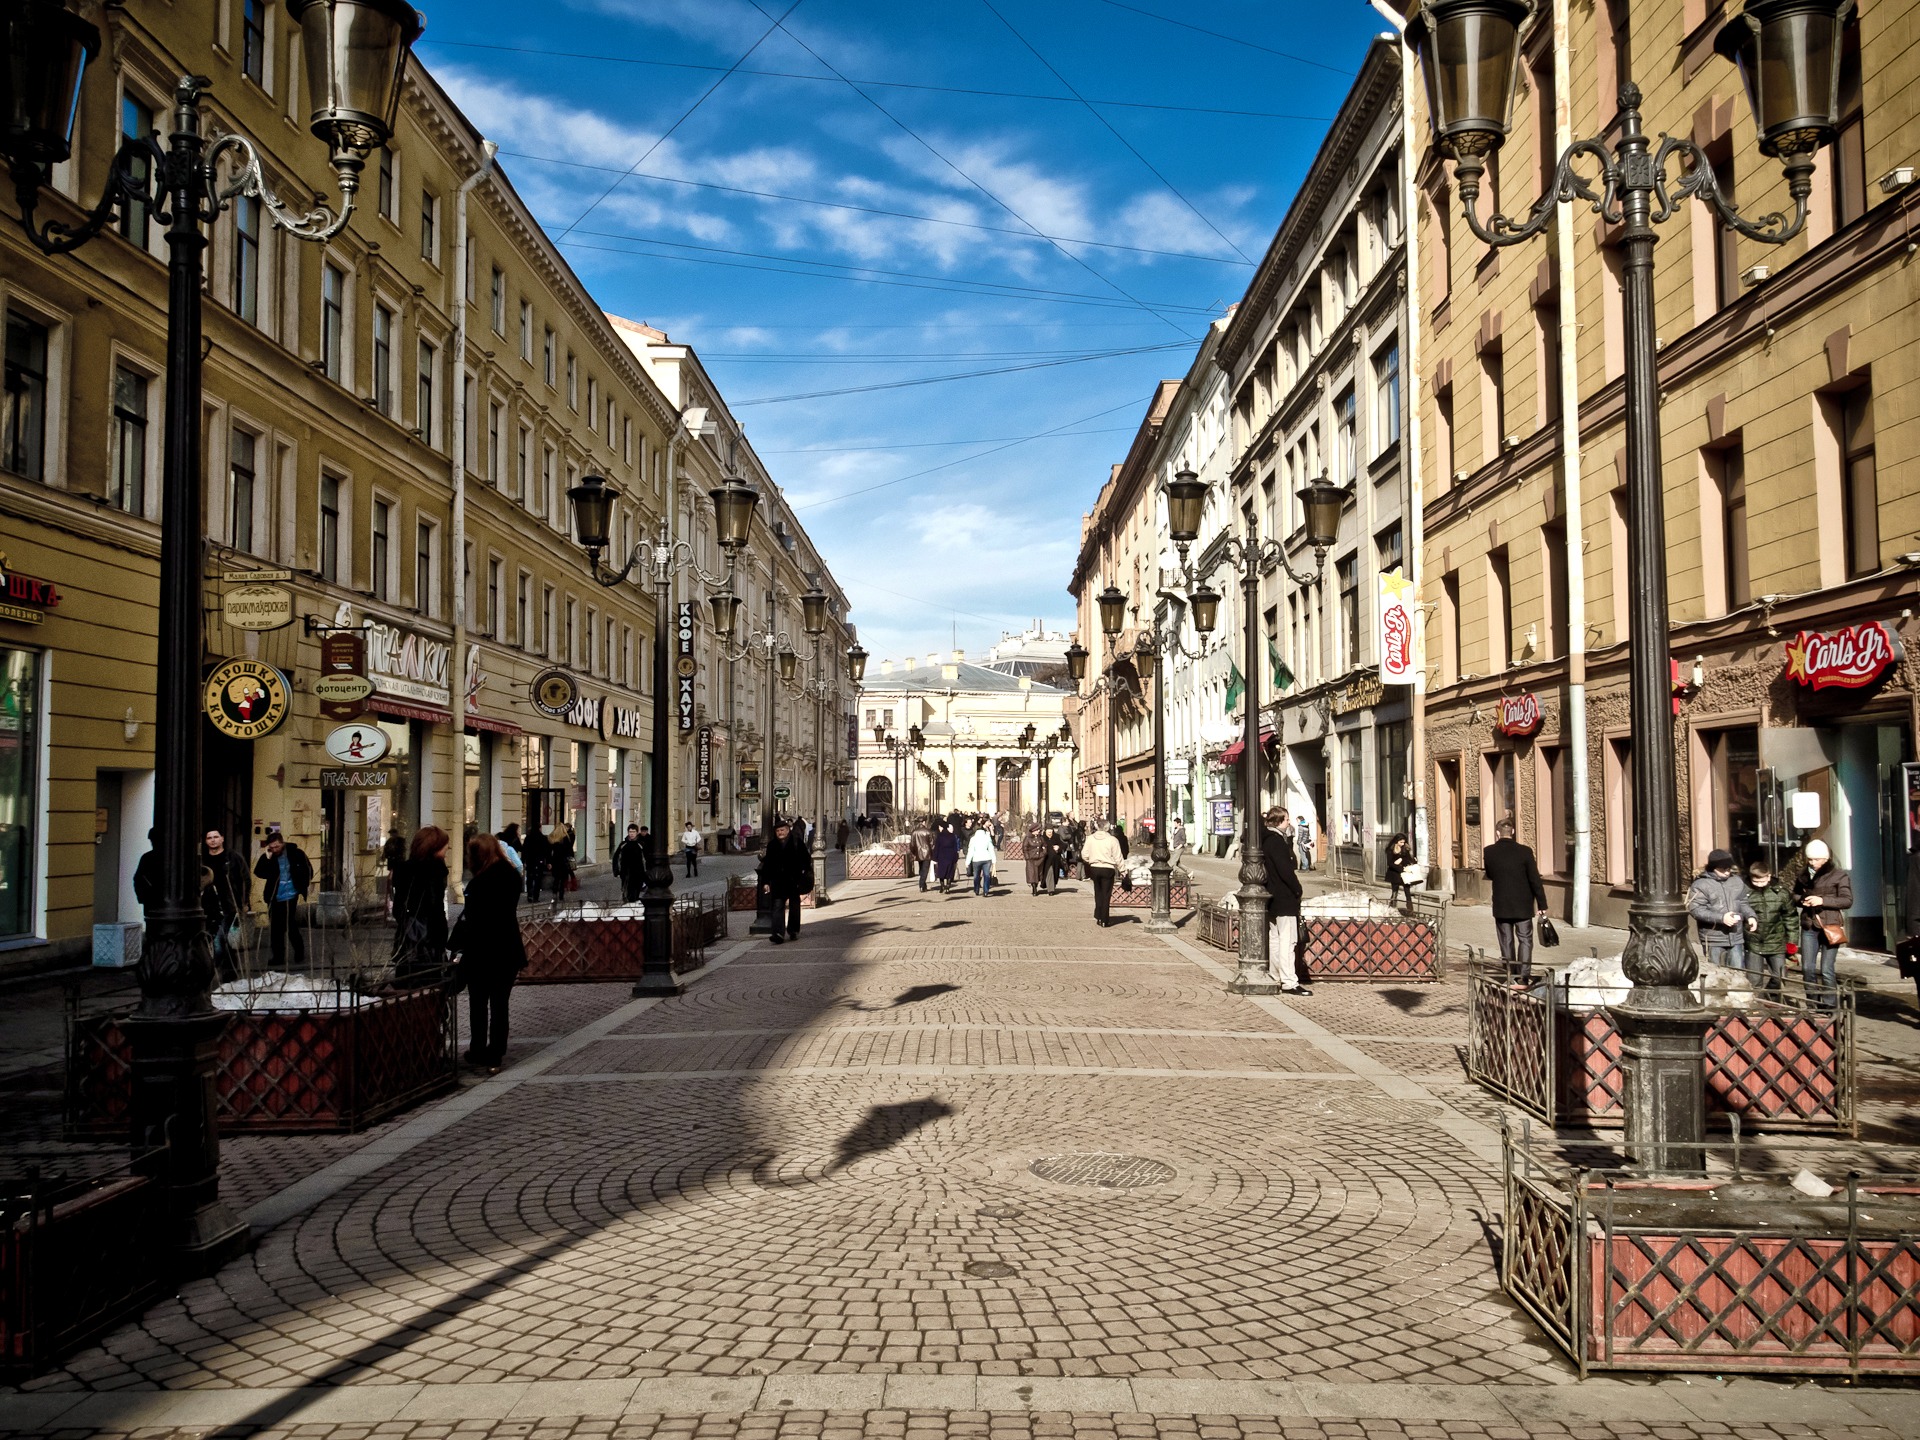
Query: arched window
[(879, 796)]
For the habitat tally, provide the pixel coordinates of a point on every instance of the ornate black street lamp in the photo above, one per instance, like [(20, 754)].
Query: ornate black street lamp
[(1114, 684), (356, 54), (1788, 54), (733, 504), (1321, 503)]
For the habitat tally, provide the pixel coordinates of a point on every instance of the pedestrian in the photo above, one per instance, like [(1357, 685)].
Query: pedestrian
[(287, 873), (393, 854), (690, 848), (487, 939), (1034, 850), (1283, 908), (537, 853), (1303, 838), (1120, 834), (786, 873), (225, 899), (980, 858), (146, 876), (1399, 857), (946, 856), (922, 850), (510, 844), (630, 864), (1907, 952), (1772, 933), (1102, 856), (840, 838), (420, 908), (560, 860), (1176, 839), (1824, 893), (1514, 879), (1053, 861), (1717, 901)]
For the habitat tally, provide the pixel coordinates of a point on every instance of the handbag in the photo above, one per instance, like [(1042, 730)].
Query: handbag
[(1834, 934), (1126, 881), (1907, 956), (1549, 937)]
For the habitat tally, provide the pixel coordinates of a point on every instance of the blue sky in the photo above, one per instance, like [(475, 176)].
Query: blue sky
[(687, 186)]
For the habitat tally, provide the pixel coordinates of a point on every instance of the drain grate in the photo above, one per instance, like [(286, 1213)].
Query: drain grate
[(990, 1269), (1103, 1172), (1000, 1212)]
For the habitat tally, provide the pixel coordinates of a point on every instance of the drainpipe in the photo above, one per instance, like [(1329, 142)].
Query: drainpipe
[(457, 662), (1410, 451), (1576, 599), (664, 625)]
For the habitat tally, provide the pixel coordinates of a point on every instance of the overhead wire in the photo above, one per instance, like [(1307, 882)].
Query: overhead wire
[(1132, 149), (875, 210), (919, 380), (929, 444), (685, 115), (935, 152), (1230, 39)]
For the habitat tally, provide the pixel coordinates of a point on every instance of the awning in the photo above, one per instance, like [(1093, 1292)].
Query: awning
[(487, 722), (1239, 747), (407, 710)]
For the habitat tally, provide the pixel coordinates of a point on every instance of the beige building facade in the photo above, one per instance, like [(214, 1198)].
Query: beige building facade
[(1790, 381)]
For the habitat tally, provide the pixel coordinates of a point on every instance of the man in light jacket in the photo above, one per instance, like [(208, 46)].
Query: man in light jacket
[(1717, 901), (1101, 855)]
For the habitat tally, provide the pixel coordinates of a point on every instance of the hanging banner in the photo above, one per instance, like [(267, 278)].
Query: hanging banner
[(684, 666), (853, 737), (1399, 664), (704, 773)]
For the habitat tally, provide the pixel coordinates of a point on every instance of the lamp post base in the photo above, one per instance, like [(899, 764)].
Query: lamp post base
[(1253, 982), (657, 987), (1663, 1036), (173, 1119)]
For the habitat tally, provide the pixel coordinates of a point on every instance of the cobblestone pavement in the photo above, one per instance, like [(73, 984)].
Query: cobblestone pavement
[(946, 1166)]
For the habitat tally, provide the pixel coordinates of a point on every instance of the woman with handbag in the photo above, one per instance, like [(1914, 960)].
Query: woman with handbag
[(1825, 893), (420, 909), (560, 860), (487, 940)]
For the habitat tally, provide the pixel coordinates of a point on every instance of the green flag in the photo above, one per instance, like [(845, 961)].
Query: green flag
[(1236, 687), (1282, 676)]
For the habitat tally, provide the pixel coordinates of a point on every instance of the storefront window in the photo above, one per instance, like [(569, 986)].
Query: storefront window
[(579, 796), (403, 809), (614, 824), (1352, 821), (476, 763), (1733, 758), (1390, 777), (19, 787)]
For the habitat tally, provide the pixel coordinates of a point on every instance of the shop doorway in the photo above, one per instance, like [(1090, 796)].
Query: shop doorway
[(1453, 815), (542, 808), (226, 788)]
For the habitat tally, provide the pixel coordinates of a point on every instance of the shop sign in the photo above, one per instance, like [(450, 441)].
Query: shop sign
[(553, 693), (1519, 714), (853, 737), (25, 598), (357, 780), (342, 687), (684, 666), (1398, 665), (588, 714), (703, 774), (276, 576), (1849, 659), (1222, 815), (1359, 695), (1179, 770), (358, 744), (408, 666), (627, 723), (257, 607), (749, 782), (246, 699)]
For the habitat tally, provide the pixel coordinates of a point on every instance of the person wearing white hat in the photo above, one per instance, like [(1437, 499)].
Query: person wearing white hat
[(1825, 894)]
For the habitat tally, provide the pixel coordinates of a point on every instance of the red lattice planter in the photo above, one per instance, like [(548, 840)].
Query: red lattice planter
[(1180, 897), (893, 866), (288, 1070), (1734, 1274), (1781, 1065), (568, 946), (1397, 948)]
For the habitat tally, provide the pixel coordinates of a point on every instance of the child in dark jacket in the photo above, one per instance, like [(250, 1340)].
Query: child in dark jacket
[(1775, 921)]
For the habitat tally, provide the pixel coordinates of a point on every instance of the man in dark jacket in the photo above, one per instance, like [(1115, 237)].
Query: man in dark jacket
[(287, 873), (630, 864), (536, 855), (1283, 907), (1518, 895), (226, 896), (786, 873)]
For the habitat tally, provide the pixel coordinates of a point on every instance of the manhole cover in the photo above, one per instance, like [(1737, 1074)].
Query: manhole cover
[(1103, 1172), (1000, 1212), (990, 1269)]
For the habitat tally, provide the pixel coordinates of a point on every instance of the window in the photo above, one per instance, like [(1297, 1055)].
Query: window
[(1729, 581), (1348, 573), (241, 449), (136, 123), (1555, 812), (253, 40), (526, 331), (1859, 484), (1390, 777), (496, 442), (1443, 439), (571, 654), (1616, 53), (1547, 352), (1389, 547), (496, 577), (1347, 459), (592, 634), (430, 227), (1386, 399), (609, 422), (1493, 403), (381, 575), (23, 426), (330, 528), (499, 293), (1621, 845), (423, 406), (1500, 648), (547, 357), (523, 467), (1442, 200), (573, 382), (543, 499), (383, 188), (20, 791), (1546, 150), (626, 441), (523, 610), (246, 258), (593, 405), (423, 568), (333, 304), (128, 486), (382, 359), (546, 619), (1450, 629), (1553, 554), (1849, 142), (1726, 240)]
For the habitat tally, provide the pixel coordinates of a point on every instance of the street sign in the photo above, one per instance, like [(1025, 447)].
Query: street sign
[(257, 607), (358, 744), (342, 686), (256, 577)]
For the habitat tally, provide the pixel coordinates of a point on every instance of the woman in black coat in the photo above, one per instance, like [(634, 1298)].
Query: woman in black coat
[(420, 908), (487, 939)]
